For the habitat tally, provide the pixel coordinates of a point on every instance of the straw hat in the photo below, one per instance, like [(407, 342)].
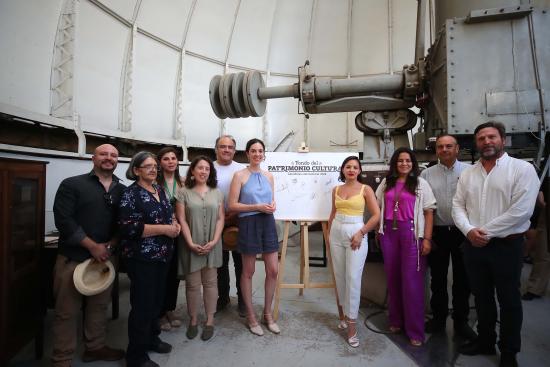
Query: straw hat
[(229, 237), (91, 277)]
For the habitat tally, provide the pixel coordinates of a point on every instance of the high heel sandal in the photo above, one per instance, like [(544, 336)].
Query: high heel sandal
[(255, 329), (342, 325), (271, 325), (353, 340), (395, 329), (416, 343)]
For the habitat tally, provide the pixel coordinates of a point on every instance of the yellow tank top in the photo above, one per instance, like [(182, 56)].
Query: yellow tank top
[(354, 205)]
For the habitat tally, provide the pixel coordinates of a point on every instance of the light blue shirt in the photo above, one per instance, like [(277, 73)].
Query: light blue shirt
[(443, 182)]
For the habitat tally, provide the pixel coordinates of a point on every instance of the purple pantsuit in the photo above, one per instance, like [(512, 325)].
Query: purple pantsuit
[(405, 268)]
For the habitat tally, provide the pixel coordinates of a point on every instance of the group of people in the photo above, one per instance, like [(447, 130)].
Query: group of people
[(474, 215), (170, 229), (167, 229)]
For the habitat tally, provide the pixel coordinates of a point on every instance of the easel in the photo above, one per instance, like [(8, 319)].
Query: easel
[(304, 265)]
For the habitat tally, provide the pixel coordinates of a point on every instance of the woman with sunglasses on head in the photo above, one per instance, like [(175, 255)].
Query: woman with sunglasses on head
[(252, 196), (200, 211), (169, 179), (348, 240), (147, 238), (405, 233)]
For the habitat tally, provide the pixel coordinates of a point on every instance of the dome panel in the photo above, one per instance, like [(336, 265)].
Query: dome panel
[(165, 18), (328, 129), (369, 37), (290, 33), (97, 91), (124, 8), (404, 33), (329, 38), (200, 125), (25, 65), (210, 28), (153, 90), (251, 37), (283, 119)]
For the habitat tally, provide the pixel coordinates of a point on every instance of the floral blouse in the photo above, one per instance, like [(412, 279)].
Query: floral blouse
[(137, 208)]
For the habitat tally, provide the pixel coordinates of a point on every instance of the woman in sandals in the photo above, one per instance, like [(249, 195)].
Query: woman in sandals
[(407, 203), (169, 179), (251, 195), (348, 240), (200, 211)]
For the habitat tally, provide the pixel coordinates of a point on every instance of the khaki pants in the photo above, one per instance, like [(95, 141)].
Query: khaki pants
[(68, 303), (540, 272), (208, 278)]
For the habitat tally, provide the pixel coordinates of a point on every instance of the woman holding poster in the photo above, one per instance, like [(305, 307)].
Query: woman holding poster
[(252, 196), (348, 240)]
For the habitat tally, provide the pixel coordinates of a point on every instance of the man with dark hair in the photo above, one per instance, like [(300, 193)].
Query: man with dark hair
[(85, 212), (492, 206), (447, 242), (225, 168)]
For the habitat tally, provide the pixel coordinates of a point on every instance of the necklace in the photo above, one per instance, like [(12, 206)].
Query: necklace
[(170, 194), (154, 192), (396, 206)]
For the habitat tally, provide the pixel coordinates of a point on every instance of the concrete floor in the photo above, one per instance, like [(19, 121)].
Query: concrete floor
[(309, 335)]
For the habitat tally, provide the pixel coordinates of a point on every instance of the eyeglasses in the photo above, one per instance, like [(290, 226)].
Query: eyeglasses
[(230, 147), (150, 167), (108, 199)]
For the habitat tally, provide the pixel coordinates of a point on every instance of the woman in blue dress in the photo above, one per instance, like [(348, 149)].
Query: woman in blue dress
[(251, 195)]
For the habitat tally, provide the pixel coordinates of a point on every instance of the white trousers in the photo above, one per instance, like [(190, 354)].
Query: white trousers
[(348, 264)]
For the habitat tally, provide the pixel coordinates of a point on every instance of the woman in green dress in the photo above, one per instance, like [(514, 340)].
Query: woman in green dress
[(200, 211)]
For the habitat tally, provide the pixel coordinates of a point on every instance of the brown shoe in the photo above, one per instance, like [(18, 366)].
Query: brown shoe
[(103, 354)]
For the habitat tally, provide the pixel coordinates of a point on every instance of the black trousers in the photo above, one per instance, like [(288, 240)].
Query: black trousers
[(147, 285), (448, 242), (223, 275), (497, 266), (172, 285)]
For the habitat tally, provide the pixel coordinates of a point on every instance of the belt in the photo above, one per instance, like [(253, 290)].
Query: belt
[(449, 228), (513, 236)]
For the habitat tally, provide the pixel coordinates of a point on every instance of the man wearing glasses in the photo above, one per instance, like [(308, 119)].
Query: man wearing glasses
[(225, 168), (85, 212)]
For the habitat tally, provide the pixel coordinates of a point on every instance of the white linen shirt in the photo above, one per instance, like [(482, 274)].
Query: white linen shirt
[(424, 200), (499, 202), (443, 181)]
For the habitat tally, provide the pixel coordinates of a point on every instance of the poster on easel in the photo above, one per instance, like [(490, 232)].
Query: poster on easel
[(304, 183)]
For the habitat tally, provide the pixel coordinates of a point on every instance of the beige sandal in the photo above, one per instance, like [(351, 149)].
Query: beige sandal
[(164, 324), (173, 319), (271, 325)]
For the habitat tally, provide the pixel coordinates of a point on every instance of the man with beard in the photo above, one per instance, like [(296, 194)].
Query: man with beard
[(492, 206), (447, 242), (225, 168), (85, 215)]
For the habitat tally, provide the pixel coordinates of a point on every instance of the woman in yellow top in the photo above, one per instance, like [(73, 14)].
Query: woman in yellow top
[(348, 240)]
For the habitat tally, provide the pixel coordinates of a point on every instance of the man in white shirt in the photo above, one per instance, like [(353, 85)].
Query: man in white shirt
[(447, 243), (225, 168), (492, 206)]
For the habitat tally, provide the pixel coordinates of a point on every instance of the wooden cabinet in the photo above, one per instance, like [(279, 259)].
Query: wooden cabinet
[(22, 198)]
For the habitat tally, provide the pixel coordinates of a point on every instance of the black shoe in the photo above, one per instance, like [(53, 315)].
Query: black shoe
[(192, 331), (464, 331), (508, 359), (222, 303), (474, 347), (161, 348), (207, 332), (433, 326), (528, 296)]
